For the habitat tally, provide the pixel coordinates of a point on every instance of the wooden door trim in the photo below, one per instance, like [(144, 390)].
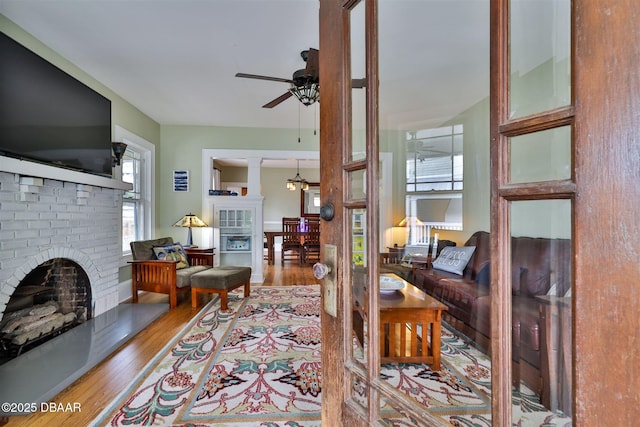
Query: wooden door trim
[(606, 229), (334, 67), (499, 169)]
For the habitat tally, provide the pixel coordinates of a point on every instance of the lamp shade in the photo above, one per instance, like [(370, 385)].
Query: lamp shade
[(297, 180), (190, 220), (409, 221)]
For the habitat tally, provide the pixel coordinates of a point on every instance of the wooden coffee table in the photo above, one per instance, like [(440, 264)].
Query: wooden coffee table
[(410, 322)]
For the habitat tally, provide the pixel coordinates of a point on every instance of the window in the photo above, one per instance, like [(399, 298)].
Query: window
[(435, 179), (132, 201), (434, 159), (137, 169)]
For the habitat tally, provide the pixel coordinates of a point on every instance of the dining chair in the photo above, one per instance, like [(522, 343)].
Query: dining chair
[(291, 245), (311, 245)]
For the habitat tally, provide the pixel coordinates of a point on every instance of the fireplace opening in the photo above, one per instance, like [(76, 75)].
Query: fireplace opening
[(53, 298)]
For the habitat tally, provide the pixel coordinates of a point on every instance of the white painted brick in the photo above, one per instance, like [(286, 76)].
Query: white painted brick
[(13, 206), (29, 188), (30, 180), (4, 299), (54, 183), (47, 198), (7, 196), (59, 223), (6, 235), (63, 228), (37, 207), (10, 263), (12, 244), (39, 224), (28, 197)]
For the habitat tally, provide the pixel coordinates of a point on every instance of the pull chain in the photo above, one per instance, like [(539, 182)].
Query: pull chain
[(298, 123)]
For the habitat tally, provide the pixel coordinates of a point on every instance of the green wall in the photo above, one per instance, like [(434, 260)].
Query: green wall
[(181, 148)]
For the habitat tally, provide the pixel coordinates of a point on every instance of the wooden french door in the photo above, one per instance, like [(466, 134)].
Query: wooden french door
[(350, 182), (592, 196)]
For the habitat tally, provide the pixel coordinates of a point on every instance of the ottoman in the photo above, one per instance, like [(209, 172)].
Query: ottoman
[(220, 280)]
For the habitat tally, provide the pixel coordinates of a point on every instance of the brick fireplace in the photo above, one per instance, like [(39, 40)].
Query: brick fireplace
[(43, 219)]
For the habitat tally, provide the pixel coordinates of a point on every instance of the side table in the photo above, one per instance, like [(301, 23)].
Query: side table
[(200, 256)]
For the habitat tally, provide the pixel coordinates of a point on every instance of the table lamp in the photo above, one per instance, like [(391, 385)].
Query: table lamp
[(190, 220)]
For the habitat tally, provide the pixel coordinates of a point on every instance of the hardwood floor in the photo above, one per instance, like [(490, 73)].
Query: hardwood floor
[(99, 386)]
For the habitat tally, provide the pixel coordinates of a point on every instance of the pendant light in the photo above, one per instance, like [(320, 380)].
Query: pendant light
[(297, 181)]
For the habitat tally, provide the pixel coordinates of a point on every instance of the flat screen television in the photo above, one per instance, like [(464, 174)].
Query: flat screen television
[(48, 116)]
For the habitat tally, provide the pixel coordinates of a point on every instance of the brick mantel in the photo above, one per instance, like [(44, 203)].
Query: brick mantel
[(42, 219)]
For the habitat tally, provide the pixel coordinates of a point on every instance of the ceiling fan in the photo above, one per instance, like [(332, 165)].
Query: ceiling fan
[(305, 83)]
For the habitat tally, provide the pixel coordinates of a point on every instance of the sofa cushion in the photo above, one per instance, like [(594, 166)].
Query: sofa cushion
[(460, 296), (454, 259), (172, 252)]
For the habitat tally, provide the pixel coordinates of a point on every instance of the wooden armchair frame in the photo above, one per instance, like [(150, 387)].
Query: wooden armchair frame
[(156, 276), (160, 276)]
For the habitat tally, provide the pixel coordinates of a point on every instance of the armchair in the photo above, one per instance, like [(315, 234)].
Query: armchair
[(153, 275)]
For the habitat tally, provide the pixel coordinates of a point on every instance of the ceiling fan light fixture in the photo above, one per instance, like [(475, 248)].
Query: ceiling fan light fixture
[(307, 93)]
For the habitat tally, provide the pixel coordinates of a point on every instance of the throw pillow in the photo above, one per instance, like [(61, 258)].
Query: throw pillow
[(173, 252), (454, 259)]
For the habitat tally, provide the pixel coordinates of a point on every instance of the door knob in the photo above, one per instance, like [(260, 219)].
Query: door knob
[(327, 212), (320, 270)]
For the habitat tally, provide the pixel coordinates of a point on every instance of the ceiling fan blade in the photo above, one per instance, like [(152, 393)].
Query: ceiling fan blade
[(256, 76), (313, 64), (278, 100), (358, 83)]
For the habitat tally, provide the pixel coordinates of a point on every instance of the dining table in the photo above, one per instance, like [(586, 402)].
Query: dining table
[(271, 237)]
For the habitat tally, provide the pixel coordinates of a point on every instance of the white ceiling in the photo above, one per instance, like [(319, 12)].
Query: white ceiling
[(176, 60)]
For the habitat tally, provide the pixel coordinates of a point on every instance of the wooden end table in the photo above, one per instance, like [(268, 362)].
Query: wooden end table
[(200, 256), (410, 326)]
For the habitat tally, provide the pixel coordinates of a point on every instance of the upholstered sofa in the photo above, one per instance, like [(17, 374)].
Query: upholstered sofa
[(540, 267)]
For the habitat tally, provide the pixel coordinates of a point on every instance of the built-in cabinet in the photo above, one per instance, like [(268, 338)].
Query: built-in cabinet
[(236, 235), (236, 232)]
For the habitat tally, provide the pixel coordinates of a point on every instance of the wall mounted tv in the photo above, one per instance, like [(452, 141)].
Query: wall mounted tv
[(50, 117)]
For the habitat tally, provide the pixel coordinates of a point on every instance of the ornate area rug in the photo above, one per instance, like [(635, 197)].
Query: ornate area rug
[(258, 364), (460, 393)]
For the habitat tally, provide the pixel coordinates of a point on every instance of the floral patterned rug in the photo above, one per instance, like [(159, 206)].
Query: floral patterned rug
[(258, 364)]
